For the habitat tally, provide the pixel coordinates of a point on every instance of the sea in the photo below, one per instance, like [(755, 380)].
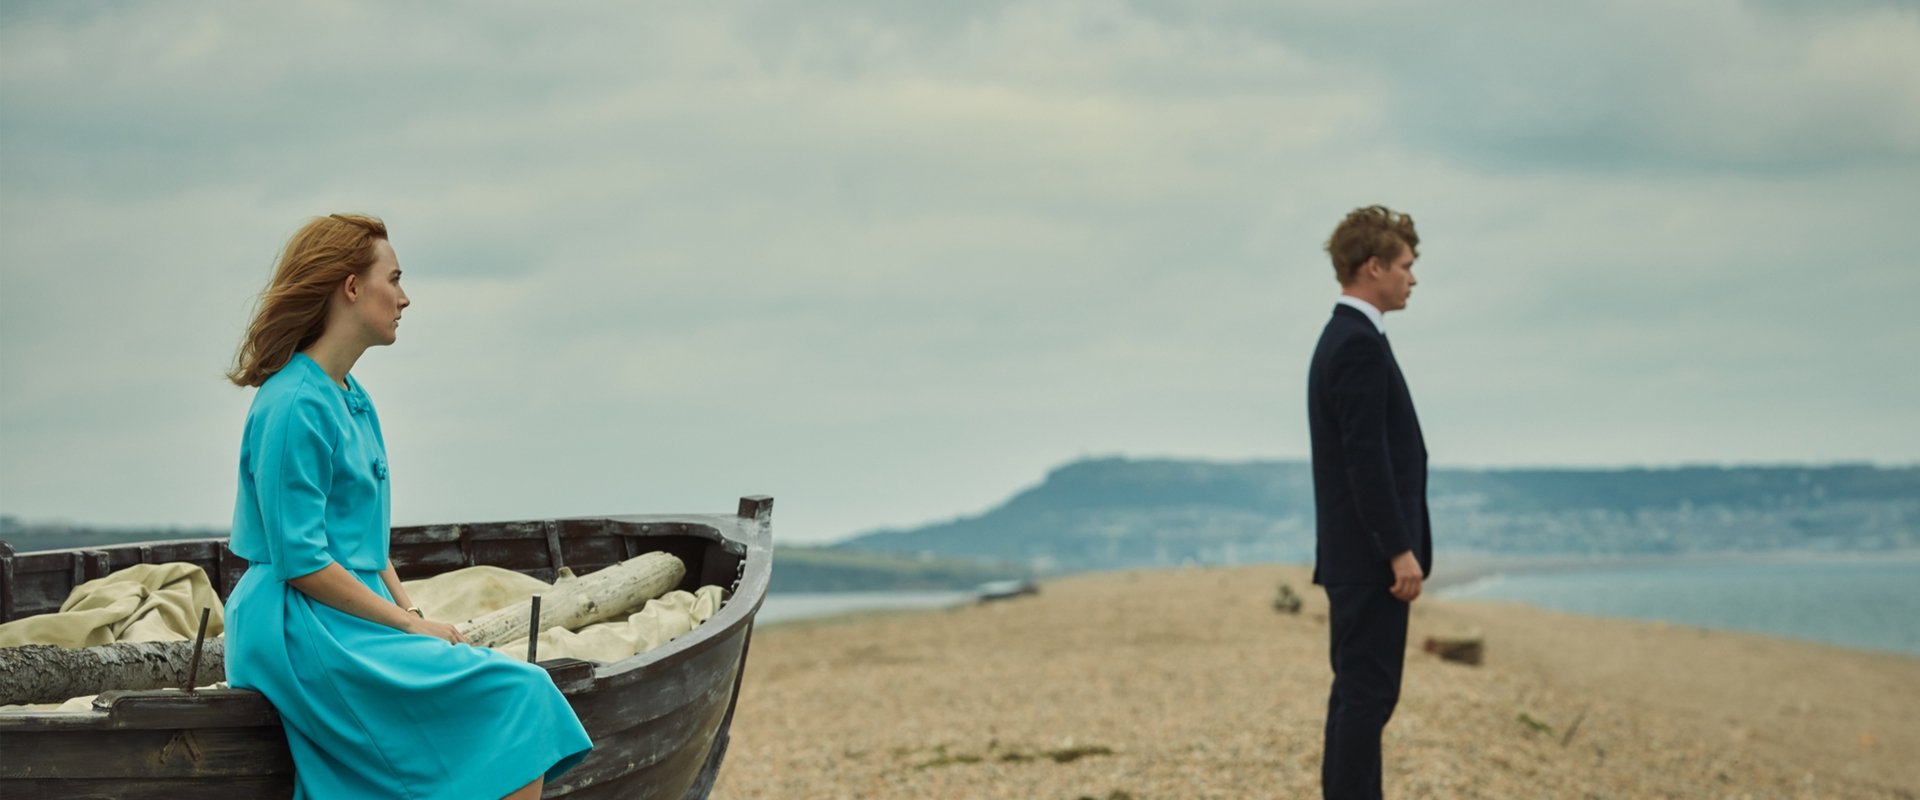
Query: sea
[(796, 606), (1869, 602), (1865, 601)]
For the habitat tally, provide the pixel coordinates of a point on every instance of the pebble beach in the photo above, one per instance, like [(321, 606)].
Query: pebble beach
[(1188, 683)]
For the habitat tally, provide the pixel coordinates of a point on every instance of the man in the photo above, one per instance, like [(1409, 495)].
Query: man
[(1370, 493)]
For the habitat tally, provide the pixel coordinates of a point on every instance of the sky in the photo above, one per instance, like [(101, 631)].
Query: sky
[(891, 262)]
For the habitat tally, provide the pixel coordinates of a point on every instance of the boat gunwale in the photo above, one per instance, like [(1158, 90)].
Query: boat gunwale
[(749, 532)]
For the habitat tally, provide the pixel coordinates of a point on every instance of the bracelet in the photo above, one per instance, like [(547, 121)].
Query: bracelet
[(415, 610)]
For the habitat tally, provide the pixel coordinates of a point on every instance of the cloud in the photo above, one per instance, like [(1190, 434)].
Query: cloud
[(1703, 87), (1724, 87), (890, 262)]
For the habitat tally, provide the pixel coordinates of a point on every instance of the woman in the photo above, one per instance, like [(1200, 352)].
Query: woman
[(377, 700)]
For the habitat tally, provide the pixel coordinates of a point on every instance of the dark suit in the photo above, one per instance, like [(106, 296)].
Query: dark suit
[(1370, 504)]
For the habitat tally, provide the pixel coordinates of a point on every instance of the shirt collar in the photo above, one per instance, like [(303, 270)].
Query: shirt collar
[(1364, 307), (356, 399)]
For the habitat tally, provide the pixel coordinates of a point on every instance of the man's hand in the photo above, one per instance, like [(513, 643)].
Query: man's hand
[(1407, 577)]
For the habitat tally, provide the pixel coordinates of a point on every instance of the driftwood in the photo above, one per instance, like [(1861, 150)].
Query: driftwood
[(45, 673), (575, 603), (1467, 649), (52, 674)]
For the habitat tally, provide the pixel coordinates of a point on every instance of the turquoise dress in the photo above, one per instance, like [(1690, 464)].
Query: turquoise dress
[(370, 711)]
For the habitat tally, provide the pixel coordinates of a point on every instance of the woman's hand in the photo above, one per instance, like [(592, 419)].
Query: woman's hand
[(336, 588), (436, 629)]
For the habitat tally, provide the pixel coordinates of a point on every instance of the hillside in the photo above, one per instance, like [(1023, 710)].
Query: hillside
[(1119, 513)]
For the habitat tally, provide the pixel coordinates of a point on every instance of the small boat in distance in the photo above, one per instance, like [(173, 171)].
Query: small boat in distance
[(659, 720), (1004, 590)]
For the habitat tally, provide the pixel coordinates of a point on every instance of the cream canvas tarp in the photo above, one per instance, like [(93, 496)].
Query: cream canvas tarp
[(162, 602), (142, 603)]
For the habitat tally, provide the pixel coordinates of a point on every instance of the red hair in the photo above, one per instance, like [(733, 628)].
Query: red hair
[(292, 311)]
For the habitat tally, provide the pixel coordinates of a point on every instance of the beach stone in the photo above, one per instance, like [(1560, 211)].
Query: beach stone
[(1287, 601)]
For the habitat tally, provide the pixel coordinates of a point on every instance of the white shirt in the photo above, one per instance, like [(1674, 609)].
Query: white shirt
[(1379, 319)]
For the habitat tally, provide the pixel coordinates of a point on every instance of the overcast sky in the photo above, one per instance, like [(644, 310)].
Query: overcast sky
[(890, 262)]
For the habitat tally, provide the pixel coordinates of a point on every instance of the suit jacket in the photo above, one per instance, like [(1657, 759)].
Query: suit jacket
[(1369, 459)]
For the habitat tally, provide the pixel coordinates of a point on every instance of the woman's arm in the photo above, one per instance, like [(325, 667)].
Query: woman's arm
[(391, 578), (334, 587)]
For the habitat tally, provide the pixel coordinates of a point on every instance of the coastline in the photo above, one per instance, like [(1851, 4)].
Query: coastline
[(1458, 578), (796, 608), (1845, 599), (1186, 683), (1457, 570)]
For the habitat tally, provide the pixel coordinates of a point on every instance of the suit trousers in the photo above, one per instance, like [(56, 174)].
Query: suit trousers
[(1368, 626)]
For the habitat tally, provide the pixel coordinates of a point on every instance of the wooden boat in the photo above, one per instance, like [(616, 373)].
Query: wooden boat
[(659, 720)]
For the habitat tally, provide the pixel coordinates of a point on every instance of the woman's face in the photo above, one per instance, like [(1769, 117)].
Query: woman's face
[(379, 299)]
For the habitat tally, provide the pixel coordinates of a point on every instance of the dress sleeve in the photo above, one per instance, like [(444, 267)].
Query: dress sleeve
[(292, 476)]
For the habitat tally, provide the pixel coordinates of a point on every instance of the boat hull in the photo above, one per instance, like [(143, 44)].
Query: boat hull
[(659, 720)]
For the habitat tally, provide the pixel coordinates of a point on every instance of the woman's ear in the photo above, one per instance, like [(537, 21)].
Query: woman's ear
[(351, 287)]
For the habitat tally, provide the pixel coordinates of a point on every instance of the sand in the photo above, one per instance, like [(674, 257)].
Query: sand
[(1187, 684)]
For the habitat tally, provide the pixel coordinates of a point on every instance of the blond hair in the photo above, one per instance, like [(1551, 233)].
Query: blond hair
[(1371, 232)]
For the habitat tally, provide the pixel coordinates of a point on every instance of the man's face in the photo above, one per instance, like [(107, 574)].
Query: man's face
[(1395, 280)]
